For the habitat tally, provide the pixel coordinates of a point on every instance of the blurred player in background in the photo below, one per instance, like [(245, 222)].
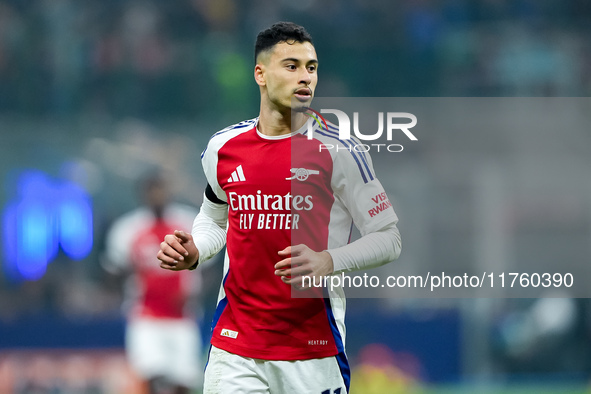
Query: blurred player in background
[(163, 340), (271, 188)]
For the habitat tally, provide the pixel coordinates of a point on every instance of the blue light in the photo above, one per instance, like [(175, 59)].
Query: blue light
[(45, 215), (35, 238), (75, 218), (10, 238)]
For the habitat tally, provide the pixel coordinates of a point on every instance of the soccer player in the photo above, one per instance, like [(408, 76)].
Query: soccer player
[(163, 340), (285, 210)]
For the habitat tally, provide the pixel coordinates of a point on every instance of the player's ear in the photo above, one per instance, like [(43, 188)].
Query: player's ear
[(259, 74)]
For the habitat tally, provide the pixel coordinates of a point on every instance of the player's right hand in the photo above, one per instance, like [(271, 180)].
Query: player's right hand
[(178, 251)]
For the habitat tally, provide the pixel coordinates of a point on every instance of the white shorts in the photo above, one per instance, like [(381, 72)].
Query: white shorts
[(229, 373), (169, 348)]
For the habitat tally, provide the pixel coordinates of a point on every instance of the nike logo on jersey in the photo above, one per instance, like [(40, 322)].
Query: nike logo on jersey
[(237, 175), (301, 174)]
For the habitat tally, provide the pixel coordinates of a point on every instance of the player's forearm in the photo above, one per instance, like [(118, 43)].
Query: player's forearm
[(369, 251), (209, 229)]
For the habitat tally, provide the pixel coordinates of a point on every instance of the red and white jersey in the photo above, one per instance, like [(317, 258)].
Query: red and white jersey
[(132, 245), (284, 191)]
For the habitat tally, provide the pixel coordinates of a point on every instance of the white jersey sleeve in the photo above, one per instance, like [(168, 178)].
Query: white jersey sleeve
[(355, 185), (209, 229)]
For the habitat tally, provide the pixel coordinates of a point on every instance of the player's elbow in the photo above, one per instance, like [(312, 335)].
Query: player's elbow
[(395, 244)]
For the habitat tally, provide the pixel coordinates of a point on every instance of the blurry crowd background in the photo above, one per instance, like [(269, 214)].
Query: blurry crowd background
[(193, 58), (96, 93)]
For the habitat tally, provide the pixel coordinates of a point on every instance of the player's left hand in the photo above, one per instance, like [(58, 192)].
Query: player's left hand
[(301, 260)]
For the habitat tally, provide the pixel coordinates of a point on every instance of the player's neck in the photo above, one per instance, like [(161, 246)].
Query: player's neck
[(273, 122)]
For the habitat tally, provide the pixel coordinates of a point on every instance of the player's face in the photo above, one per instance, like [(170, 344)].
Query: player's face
[(288, 73)]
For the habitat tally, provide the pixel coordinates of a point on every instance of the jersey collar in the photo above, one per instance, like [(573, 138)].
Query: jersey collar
[(279, 137)]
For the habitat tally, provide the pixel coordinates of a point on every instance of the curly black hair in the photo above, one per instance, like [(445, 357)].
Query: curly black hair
[(280, 32)]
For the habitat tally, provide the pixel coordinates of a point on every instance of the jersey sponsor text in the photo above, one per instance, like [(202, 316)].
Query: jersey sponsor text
[(269, 221), (265, 202), (383, 204)]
